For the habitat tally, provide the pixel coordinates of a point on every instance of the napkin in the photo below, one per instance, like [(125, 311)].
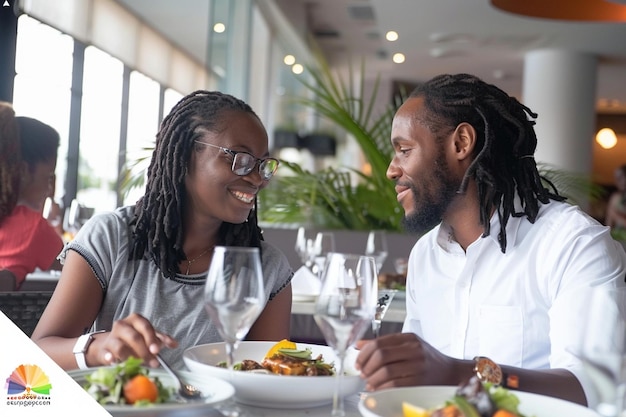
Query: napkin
[(305, 282)]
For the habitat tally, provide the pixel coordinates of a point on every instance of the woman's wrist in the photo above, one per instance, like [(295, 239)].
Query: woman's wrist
[(81, 349)]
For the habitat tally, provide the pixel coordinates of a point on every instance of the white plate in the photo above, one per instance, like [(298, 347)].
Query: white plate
[(214, 389), (274, 391), (388, 403)]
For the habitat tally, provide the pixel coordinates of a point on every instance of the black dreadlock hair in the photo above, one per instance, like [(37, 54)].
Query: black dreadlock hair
[(158, 214), (503, 162)]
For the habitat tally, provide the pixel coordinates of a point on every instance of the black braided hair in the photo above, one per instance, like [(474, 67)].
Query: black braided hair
[(159, 213), (506, 141), (9, 160)]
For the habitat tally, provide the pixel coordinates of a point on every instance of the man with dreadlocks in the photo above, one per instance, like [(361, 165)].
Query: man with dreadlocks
[(137, 274), (500, 280)]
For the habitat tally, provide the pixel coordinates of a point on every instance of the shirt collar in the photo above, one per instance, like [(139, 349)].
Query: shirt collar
[(445, 237)]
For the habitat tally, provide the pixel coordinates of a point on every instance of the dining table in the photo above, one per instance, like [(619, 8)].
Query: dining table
[(351, 404), (40, 280), (305, 329), (395, 314)]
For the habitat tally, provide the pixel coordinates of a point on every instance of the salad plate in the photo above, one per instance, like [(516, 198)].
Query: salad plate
[(213, 389), (388, 403), (272, 390)]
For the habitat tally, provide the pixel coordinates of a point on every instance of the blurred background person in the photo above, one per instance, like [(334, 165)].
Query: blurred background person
[(616, 208), (27, 240), (9, 161)]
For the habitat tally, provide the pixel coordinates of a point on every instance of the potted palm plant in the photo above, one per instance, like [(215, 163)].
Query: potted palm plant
[(332, 198)]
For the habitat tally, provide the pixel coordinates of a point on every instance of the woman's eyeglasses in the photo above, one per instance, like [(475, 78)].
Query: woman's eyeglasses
[(244, 163)]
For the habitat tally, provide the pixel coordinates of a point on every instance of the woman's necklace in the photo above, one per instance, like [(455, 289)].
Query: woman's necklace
[(189, 262)]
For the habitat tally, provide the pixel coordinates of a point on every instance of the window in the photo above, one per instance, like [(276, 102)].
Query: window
[(42, 88), (143, 123), (100, 130)]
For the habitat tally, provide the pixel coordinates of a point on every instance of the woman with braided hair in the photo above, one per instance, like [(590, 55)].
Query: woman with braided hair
[(499, 278), (138, 273)]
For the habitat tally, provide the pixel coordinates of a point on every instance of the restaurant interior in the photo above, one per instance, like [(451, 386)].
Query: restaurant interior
[(104, 73)]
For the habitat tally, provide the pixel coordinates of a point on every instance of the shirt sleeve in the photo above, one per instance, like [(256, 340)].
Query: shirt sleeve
[(587, 257), (276, 269)]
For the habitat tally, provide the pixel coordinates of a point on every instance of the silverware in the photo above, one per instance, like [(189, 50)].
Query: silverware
[(185, 389)]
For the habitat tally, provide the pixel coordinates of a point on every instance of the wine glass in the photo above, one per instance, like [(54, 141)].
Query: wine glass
[(377, 247), (603, 348), (304, 248), (234, 296), (345, 308), (323, 245)]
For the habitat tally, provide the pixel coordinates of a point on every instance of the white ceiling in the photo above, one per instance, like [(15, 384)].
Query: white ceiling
[(436, 36)]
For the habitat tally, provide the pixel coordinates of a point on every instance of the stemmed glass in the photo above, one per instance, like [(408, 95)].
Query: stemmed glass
[(234, 296), (323, 245), (377, 247), (304, 248), (603, 348), (345, 308)]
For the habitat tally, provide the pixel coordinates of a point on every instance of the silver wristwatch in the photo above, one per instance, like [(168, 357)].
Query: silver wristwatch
[(80, 348)]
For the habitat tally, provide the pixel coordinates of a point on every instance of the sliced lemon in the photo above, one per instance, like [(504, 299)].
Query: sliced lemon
[(283, 344), (410, 410)]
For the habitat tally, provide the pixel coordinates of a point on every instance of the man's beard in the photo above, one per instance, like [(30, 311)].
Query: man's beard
[(434, 203)]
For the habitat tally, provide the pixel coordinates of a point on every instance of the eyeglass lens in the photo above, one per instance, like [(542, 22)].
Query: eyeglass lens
[(244, 163)]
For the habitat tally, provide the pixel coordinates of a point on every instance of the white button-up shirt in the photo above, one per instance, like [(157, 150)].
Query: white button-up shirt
[(525, 307)]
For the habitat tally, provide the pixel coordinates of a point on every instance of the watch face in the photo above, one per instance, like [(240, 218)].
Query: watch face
[(488, 370)]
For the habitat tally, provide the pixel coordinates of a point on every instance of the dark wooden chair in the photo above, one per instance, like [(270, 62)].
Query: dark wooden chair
[(24, 308), (7, 280)]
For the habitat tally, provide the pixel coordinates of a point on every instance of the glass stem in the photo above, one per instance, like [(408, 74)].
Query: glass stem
[(338, 410), (230, 354), (230, 408), (376, 323)]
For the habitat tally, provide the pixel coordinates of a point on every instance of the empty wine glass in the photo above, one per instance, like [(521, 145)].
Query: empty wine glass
[(234, 297), (603, 348), (323, 245), (304, 248), (345, 308), (377, 247)]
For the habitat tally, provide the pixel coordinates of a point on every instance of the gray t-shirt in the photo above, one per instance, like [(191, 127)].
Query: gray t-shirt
[(173, 306)]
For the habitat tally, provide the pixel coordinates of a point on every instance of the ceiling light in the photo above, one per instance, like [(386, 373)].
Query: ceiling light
[(297, 69), (606, 138), (289, 59), (398, 58), (391, 36), (219, 28)]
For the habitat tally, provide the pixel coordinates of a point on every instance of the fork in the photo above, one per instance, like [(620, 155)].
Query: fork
[(185, 389)]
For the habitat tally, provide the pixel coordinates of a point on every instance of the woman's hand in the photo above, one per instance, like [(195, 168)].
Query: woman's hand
[(132, 336), (403, 359)]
